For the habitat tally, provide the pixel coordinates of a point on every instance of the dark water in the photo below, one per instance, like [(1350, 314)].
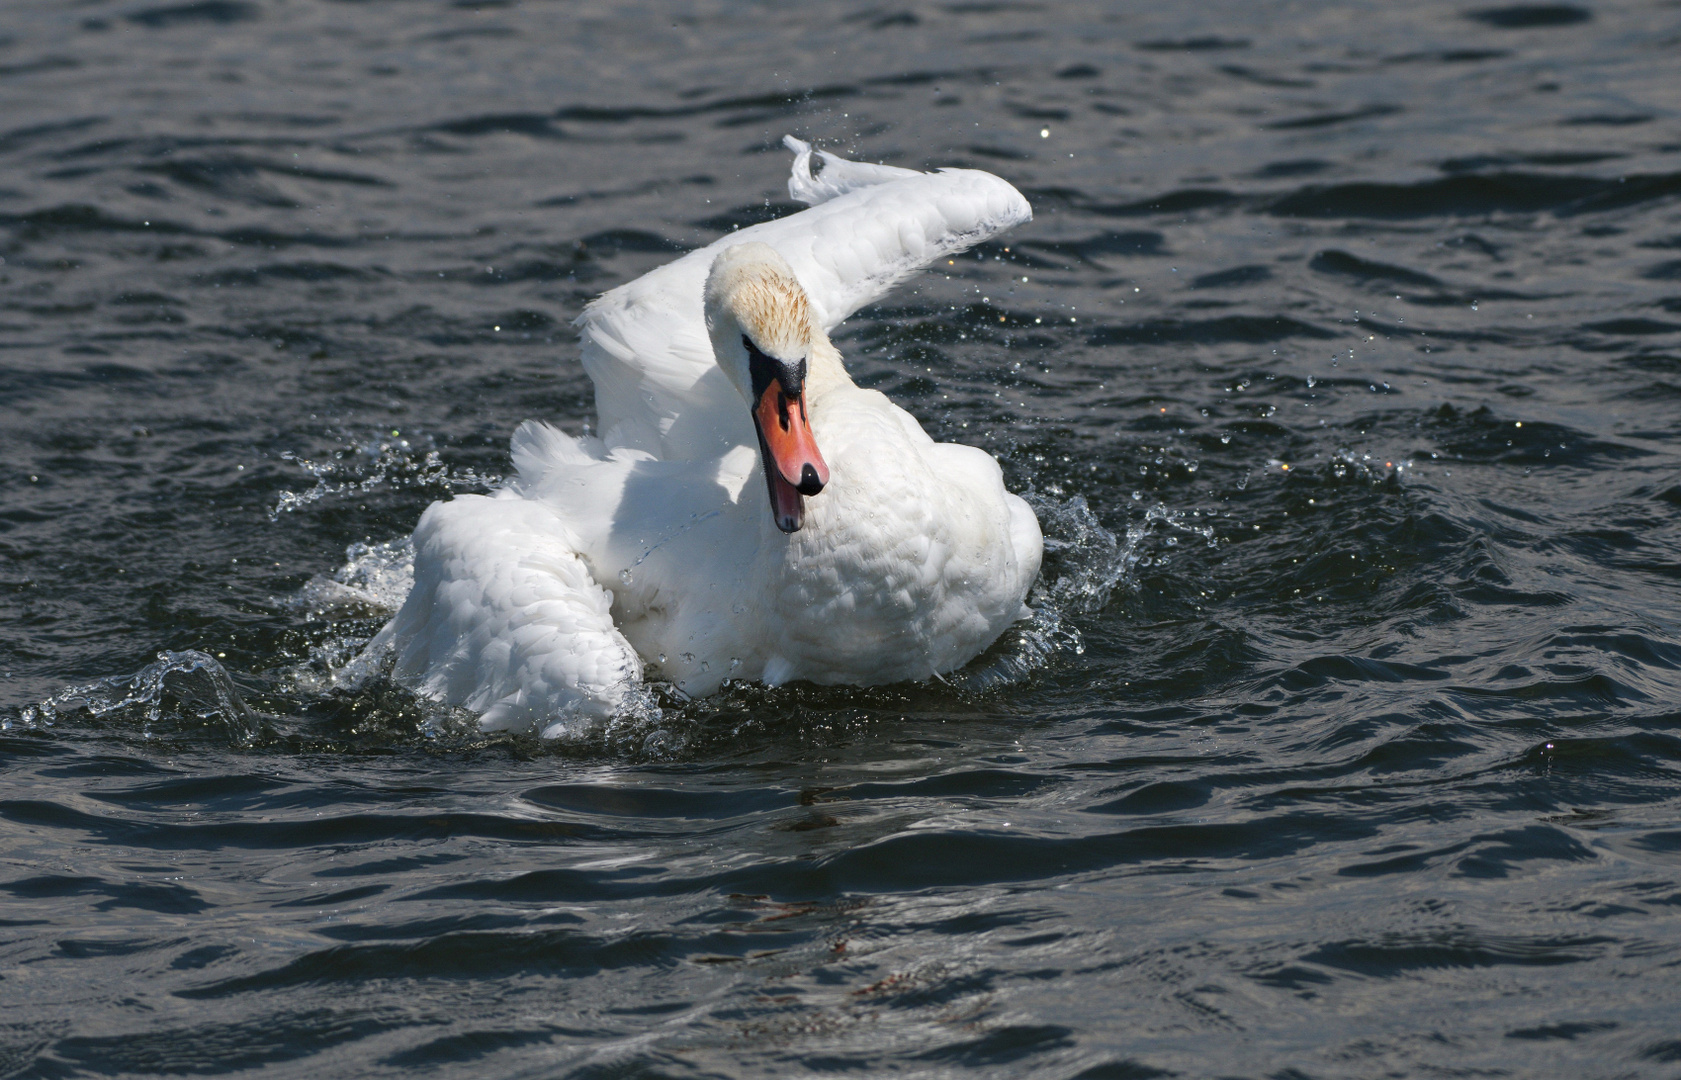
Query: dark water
[(1384, 300)]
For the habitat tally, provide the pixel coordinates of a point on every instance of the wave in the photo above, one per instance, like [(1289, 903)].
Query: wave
[(1478, 195), (214, 12), (1247, 329)]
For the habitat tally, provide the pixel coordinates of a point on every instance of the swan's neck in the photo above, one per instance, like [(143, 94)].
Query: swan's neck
[(824, 370)]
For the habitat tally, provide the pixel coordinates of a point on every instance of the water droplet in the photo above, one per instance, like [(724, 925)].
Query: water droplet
[(687, 658), (624, 576), (735, 662), (662, 658), (704, 666)]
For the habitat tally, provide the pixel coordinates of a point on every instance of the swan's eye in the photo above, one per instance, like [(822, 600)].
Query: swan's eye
[(765, 370)]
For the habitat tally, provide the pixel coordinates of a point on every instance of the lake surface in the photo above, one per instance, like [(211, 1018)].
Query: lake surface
[(1342, 361)]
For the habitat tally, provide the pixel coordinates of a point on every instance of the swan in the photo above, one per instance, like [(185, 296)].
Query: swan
[(746, 512)]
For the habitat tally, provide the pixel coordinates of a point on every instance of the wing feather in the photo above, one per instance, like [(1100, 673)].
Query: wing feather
[(505, 619)]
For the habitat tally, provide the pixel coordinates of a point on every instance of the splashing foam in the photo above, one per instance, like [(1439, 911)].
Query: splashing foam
[(188, 686), (367, 464)]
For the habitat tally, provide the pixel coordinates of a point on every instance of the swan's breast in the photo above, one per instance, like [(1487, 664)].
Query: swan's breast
[(907, 563)]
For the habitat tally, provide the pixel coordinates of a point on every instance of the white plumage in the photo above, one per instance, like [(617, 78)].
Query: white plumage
[(655, 543)]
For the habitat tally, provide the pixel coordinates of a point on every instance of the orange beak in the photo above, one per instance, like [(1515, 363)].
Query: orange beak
[(793, 466)]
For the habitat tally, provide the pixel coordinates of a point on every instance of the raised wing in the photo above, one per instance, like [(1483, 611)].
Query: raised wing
[(839, 175), (870, 227)]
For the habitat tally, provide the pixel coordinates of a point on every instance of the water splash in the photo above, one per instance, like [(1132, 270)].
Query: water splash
[(374, 580), (389, 461), (371, 585), (1084, 564), (639, 727), (187, 688), (1347, 464), (1083, 560)]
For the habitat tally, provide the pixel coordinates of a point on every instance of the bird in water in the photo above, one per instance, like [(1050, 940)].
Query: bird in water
[(746, 512)]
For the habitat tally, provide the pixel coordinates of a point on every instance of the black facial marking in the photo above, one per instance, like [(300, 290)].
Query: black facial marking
[(765, 371)]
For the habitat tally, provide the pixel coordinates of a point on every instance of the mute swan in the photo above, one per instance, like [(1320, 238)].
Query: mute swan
[(746, 512)]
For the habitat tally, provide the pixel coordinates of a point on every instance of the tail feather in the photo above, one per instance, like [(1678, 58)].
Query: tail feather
[(537, 448)]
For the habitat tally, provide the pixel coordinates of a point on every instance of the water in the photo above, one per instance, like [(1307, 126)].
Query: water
[(1343, 362)]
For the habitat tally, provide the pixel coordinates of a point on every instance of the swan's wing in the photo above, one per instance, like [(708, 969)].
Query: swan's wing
[(873, 226), (839, 175), (657, 387), (505, 619)]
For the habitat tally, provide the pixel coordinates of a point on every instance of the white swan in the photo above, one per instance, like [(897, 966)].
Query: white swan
[(747, 512)]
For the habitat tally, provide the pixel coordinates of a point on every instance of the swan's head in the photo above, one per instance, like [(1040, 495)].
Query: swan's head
[(760, 322)]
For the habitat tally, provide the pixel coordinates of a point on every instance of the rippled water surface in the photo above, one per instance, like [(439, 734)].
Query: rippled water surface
[(1342, 361)]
